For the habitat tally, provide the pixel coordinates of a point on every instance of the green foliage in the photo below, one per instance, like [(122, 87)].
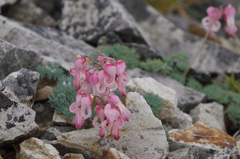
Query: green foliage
[(120, 52), (64, 93), (166, 132), (192, 83), (233, 111), (117, 92), (51, 70), (177, 75), (154, 102), (178, 61), (155, 65)]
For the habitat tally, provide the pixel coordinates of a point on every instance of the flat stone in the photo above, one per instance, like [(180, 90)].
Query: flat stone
[(150, 85), (19, 133), (43, 93), (169, 39), (212, 114), (13, 59), (13, 113), (179, 120), (59, 120), (226, 153), (142, 127), (34, 148), (188, 98), (73, 156), (112, 153), (88, 20), (45, 41), (203, 135), (23, 84), (26, 11)]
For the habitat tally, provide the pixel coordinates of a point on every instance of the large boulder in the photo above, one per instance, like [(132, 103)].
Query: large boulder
[(169, 39), (23, 84), (188, 98), (13, 59), (88, 20), (142, 137)]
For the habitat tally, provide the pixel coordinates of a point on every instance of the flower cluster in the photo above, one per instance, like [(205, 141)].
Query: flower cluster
[(212, 24), (95, 85)]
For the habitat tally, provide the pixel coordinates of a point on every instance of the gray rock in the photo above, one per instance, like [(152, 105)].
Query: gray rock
[(196, 152), (51, 134), (212, 114), (179, 120), (13, 113), (142, 127), (19, 133), (26, 11), (44, 114), (182, 154), (149, 85), (23, 84), (44, 41), (114, 154), (226, 153), (88, 20), (5, 2), (13, 59), (34, 148), (188, 98), (169, 39)]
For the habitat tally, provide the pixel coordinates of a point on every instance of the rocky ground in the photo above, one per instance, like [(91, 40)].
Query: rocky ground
[(35, 32)]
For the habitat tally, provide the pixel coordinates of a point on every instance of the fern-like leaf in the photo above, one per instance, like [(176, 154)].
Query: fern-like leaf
[(154, 102)]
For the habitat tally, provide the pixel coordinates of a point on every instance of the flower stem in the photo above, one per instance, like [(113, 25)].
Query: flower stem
[(201, 46), (102, 98), (95, 62)]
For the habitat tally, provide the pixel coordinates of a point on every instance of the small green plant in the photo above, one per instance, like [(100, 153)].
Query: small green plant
[(154, 102), (192, 83), (51, 70), (120, 52), (155, 65), (166, 132), (64, 93)]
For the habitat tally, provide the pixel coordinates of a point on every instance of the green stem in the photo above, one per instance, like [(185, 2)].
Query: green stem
[(95, 62), (102, 98)]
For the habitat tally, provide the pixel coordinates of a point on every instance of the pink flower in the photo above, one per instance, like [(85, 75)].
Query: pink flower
[(213, 14), (79, 107), (229, 17)]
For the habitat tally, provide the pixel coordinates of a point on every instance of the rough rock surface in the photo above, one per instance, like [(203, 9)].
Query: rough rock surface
[(13, 113), (23, 84), (48, 42), (179, 120), (34, 148), (4, 2), (212, 114), (149, 85), (112, 153), (13, 59), (143, 127), (73, 156), (19, 133), (180, 154), (188, 98), (88, 20), (50, 134), (26, 11), (213, 58), (226, 153), (203, 135)]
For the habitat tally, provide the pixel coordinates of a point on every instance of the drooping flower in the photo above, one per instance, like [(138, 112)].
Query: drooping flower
[(213, 17), (229, 17)]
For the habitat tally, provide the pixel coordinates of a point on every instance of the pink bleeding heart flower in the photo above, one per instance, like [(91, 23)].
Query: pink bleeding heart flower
[(115, 131), (121, 66), (229, 16), (213, 17), (78, 119), (99, 114), (93, 78), (111, 114), (86, 104)]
